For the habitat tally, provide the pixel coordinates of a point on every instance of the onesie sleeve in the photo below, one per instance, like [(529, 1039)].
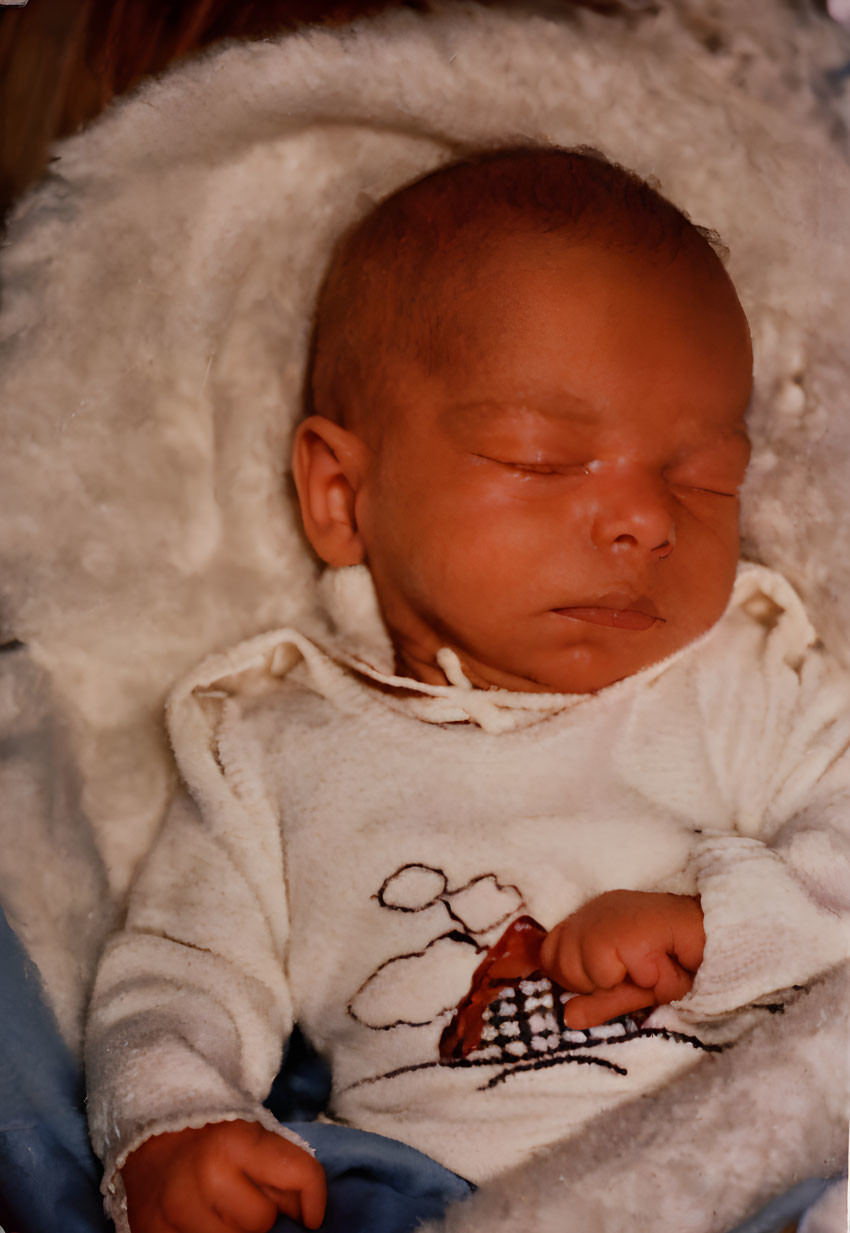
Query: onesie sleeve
[(775, 888), (191, 1007)]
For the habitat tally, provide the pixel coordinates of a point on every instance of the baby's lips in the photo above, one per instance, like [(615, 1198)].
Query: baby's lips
[(615, 618), (617, 610)]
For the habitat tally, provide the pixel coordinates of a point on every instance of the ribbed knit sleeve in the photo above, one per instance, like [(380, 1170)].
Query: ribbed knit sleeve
[(767, 928), (776, 890), (191, 1006)]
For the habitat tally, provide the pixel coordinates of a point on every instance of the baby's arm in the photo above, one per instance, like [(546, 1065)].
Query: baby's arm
[(191, 1003), (773, 882), (227, 1177), (773, 874), (625, 950)]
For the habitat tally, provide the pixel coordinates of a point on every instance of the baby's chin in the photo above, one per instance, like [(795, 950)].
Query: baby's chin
[(563, 651), (610, 655), (582, 674), (589, 679), (584, 667)]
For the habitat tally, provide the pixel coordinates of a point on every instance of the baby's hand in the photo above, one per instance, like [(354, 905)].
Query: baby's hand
[(625, 950), (227, 1177)]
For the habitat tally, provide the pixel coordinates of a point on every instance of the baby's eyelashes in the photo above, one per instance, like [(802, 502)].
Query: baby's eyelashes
[(535, 467), (709, 490), (730, 493), (717, 472)]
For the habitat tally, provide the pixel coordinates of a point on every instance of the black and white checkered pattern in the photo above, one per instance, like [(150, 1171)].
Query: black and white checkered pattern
[(527, 1021)]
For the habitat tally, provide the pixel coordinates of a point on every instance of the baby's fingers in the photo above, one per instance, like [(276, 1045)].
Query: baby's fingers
[(660, 972), (689, 939), (605, 1004), (192, 1217), (561, 959), (314, 1198), (286, 1202), (243, 1204), (290, 1175), (307, 1206), (672, 982), (300, 1205)]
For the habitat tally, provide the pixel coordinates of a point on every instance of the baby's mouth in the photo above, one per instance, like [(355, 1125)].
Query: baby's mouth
[(616, 610)]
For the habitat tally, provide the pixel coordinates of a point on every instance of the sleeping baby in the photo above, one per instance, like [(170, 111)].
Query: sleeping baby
[(556, 803)]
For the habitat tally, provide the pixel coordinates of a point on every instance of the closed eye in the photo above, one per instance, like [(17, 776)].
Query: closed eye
[(714, 470), (710, 492), (536, 468)]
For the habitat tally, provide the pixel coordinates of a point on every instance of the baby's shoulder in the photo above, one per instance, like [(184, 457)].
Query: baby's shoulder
[(765, 627), (287, 701), (269, 682), (765, 652)]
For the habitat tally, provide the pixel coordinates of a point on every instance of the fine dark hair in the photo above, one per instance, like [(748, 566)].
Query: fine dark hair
[(377, 301)]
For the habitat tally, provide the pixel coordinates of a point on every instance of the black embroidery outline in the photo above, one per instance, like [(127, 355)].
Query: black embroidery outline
[(679, 1038), (544, 1063), (468, 1063), (462, 934), (446, 892), (500, 886), (453, 935), (397, 907), (566, 1054)]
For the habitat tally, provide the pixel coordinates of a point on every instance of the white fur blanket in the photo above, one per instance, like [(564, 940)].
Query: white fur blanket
[(157, 297), (688, 1158)]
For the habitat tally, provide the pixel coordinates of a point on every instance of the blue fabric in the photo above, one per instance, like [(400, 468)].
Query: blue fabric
[(376, 1185), (787, 1208), (49, 1176), (302, 1088), (46, 1164)]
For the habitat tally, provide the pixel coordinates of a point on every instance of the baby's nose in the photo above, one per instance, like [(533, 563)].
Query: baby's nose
[(635, 515)]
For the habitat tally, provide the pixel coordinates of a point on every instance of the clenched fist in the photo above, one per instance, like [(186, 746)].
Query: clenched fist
[(227, 1177), (623, 951)]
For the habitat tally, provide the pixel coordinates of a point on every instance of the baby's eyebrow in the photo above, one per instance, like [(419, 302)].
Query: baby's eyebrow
[(565, 407)]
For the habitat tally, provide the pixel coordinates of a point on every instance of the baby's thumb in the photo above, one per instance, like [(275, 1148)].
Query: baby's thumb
[(306, 1205), (689, 941), (644, 967), (287, 1202), (672, 982)]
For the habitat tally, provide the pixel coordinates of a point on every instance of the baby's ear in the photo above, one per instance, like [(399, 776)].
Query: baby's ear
[(328, 464)]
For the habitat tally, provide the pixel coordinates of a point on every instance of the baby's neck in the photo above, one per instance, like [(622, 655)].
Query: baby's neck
[(421, 666)]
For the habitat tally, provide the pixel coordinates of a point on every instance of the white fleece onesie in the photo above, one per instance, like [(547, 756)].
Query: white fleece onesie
[(352, 842)]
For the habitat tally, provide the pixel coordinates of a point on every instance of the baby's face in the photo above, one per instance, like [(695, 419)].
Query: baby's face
[(559, 502)]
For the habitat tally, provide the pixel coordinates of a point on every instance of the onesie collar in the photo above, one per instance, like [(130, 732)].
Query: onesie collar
[(350, 656), (358, 641)]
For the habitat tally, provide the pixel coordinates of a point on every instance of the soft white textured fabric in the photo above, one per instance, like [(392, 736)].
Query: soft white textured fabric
[(156, 294), (692, 1155), (348, 825), (157, 291)]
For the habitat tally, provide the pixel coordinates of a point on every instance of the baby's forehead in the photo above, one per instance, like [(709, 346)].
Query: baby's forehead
[(473, 259), (481, 288), (538, 328), (402, 284)]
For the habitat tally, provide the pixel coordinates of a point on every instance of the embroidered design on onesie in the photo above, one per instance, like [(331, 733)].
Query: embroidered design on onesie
[(417, 988), (510, 1016)]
